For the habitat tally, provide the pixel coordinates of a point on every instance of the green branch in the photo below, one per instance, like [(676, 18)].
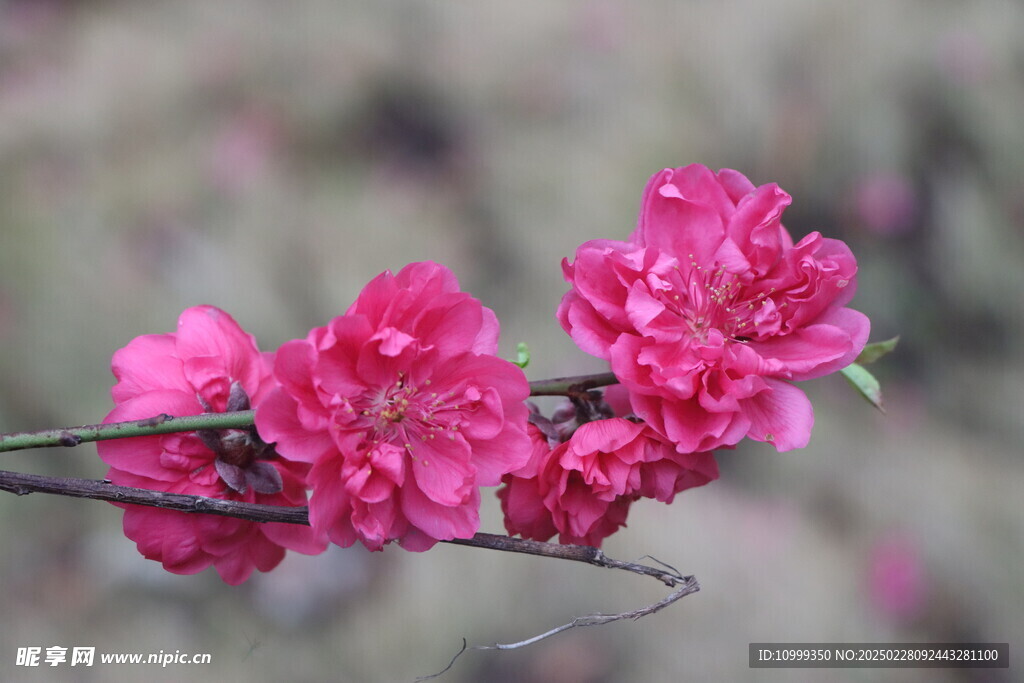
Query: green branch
[(167, 424), (159, 424)]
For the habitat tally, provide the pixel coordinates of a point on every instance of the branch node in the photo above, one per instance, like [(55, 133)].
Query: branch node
[(68, 439), (155, 420)]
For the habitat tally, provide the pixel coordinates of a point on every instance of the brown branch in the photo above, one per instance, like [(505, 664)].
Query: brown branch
[(571, 386), (22, 484), (575, 553)]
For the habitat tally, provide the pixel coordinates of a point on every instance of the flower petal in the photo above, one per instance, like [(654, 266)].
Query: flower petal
[(277, 421), (782, 416), (147, 363)]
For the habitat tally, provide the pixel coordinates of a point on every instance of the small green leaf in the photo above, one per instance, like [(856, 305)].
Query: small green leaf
[(522, 355), (865, 383), (873, 352)]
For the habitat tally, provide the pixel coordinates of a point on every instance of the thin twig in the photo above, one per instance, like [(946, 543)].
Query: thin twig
[(688, 587), (575, 553)]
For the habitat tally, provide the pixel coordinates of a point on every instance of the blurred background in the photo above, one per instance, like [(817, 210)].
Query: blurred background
[(271, 158)]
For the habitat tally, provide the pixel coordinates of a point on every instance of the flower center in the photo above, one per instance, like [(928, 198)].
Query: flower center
[(402, 413), (716, 299)]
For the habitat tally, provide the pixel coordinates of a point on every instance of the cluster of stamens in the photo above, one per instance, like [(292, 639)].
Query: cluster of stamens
[(716, 299), (404, 413)]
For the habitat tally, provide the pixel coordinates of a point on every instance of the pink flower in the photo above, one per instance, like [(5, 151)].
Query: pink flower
[(582, 488), (710, 311), (209, 365), (402, 410), (886, 203), (897, 577)]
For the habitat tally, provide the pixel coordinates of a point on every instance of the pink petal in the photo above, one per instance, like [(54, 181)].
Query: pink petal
[(209, 331), (392, 341), (442, 469), (685, 215), (141, 455), (469, 370), (428, 278), (590, 331), (735, 184), (296, 537), (690, 427), (180, 551), (151, 528), (329, 505), (782, 416), (293, 365), (235, 568), (604, 436), (277, 422), (507, 452), (524, 510), (148, 363), (582, 510), (335, 368), (488, 416), (415, 541), (755, 226), (831, 343), (440, 521), (451, 323), (486, 341)]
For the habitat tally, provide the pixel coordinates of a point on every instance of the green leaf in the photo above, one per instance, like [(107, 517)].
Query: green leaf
[(522, 355), (873, 352), (865, 383)]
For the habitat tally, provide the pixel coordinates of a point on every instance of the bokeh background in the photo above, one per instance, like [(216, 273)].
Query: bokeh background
[(271, 158)]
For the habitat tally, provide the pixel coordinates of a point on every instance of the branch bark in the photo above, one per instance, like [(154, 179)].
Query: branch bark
[(22, 484), (571, 386)]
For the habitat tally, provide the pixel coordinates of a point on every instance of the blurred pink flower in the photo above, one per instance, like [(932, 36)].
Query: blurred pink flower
[(964, 57), (244, 150), (209, 365), (886, 203), (402, 410), (582, 488), (897, 578), (710, 310)]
